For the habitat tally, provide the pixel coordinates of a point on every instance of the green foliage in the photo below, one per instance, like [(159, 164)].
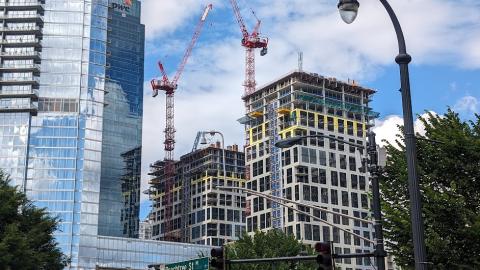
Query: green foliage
[(26, 240), (273, 243), (449, 175)]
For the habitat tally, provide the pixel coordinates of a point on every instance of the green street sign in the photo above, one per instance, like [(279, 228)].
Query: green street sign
[(197, 264)]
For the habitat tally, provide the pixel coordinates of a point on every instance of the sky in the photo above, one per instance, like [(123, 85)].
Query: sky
[(442, 36)]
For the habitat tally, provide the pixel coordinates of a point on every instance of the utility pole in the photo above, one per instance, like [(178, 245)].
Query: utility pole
[(376, 208)]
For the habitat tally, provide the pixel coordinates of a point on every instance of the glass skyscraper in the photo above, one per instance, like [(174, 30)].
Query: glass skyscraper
[(70, 105), (122, 125)]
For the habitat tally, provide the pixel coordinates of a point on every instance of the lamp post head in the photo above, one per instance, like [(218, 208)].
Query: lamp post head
[(348, 10), (289, 142)]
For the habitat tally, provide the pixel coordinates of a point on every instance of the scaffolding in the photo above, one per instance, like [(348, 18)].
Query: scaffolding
[(275, 173)]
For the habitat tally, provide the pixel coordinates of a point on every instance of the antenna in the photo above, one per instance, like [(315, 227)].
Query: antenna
[(300, 61)]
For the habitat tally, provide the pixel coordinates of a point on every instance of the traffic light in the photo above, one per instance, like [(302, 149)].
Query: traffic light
[(324, 258), (217, 260)]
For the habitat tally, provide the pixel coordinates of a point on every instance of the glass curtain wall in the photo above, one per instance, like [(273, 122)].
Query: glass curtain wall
[(66, 136), (122, 128)]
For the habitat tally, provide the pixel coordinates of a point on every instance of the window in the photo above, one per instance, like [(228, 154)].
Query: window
[(286, 158), (356, 239), (305, 153), (334, 196), (345, 220), (362, 182), (289, 175), (336, 235), (344, 198), (288, 193), (331, 126), (354, 180), (354, 199), (336, 218), (311, 120), (326, 233), (321, 122), (333, 142), (341, 126), (364, 201), (322, 158), (343, 180), (316, 232), (323, 176), (313, 156), (324, 194), (309, 155), (315, 175), (351, 148), (314, 196), (306, 192), (290, 215), (332, 160), (343, 162), (359, 130), (356, 222), (341, 146), (352, 164), (308, 231), (347, 238), (334, 178), (350, 128), (366, 235)]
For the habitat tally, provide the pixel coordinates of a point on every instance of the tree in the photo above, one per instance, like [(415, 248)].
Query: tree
[(26, 233), (273, 243), (449, 176)]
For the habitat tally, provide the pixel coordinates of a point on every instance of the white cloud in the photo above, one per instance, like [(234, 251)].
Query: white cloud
[(387, 129), (467, 104), (162, 17)]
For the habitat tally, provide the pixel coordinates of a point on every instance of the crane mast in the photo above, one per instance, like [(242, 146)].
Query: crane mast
[(250, 42), (169, 87)]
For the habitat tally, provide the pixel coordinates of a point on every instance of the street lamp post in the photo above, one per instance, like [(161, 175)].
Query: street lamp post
[(373, 169), (204, 141), (348, 11)]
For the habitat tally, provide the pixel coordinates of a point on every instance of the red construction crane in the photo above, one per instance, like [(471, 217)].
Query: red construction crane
[(169, 87), (250, 42)]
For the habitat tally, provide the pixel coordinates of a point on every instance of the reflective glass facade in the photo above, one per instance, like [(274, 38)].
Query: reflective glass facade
[(59, 102), (122, 126), (136, 254)]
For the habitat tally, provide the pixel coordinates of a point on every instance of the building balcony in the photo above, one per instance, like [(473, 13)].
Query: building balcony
[(31, 108), (22, 5), (19, 81), (31, 93), (22, 17), (23, 30), (21, 55), (21, 42), (34, 68)]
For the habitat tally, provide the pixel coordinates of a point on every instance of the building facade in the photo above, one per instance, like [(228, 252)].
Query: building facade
[(321, 171), (61, 92), (131, 181), (123, 111), (145, 229), (202, 214)]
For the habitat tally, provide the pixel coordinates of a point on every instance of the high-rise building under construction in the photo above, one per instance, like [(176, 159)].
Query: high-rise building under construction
[(320, 171), (201, 214)]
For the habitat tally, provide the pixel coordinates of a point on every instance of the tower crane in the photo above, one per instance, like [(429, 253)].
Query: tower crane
[(250, 42), (169, 86)]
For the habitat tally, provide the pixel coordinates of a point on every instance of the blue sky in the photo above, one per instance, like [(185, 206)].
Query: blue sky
[(443, 37)]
